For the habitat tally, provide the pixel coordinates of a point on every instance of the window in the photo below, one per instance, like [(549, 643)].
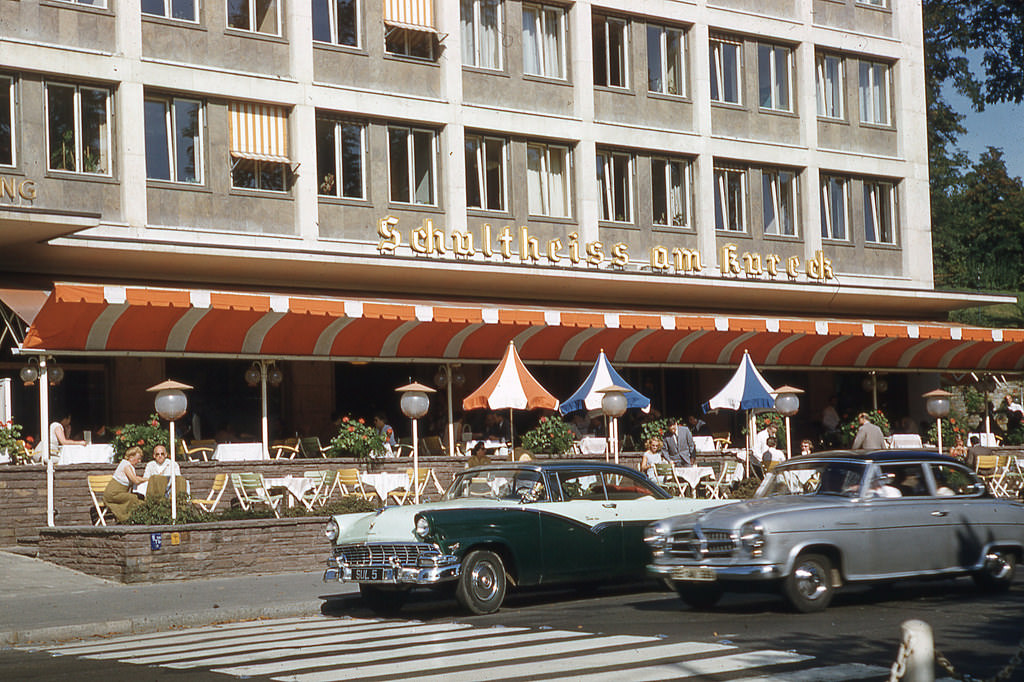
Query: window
[(481, 33), (485, 172), (610, 47), (6, 121), (829, 77), (409, 42), (257, 16), (336, 21), (174, 148), (544, 41), (411, 161), (778, 201), (172, 9), (731, 199), (670, 192), (774, 77), (725, 71), (78, 129), (90, 3), (874, 93), (665, 71), (873, 3), (834, 213), (266, 176), (879, 217), (547, 180), (340, 159), (615, 184), (259, 146)]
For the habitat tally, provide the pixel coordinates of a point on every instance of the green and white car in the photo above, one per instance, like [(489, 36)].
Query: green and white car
[(521, 524)]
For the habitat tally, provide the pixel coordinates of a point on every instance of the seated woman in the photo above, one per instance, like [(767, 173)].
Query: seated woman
[(158, 474), (118, 496), (651, 458)]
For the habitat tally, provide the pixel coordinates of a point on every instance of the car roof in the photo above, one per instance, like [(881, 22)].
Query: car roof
[(555, 465), (900, 455)]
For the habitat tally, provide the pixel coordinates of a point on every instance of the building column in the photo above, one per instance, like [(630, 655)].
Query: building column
[(130, 127), (581, 63), (302, 121), (704, 165), (451, 142)]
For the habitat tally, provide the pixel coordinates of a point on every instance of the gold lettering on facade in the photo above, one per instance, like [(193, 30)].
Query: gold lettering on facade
[(771, 264), (425, 239), (529, 247), (506, 242), (659, 258), (390, 238), (728, 263), (820, 267), (752, 263), (574, 248), (554, 246), (595, 252), (462, 244), (792, 267), (620, 255), (485, 243), (687, 260), (14, 189)]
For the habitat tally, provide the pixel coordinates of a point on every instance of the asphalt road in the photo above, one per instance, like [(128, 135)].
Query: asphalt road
[(978, 632)]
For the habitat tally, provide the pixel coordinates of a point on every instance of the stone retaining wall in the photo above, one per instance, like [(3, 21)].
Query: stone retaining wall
[(130, 554)]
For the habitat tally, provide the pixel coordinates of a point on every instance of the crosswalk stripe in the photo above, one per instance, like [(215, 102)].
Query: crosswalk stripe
[(832, 673), (481, 660), (211, 650), (424, 654)]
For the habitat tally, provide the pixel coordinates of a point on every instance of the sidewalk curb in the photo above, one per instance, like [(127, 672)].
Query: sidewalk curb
[(145, 624)]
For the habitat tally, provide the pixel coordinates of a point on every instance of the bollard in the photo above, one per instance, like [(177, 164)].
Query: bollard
[(917, 652)]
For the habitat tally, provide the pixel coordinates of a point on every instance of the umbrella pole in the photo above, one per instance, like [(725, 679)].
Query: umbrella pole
[(451, 426), (512, 433)]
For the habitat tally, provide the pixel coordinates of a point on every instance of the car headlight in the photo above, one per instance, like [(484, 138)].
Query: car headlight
[(332, 530), (752, 538), (656, 534), (422, 527)]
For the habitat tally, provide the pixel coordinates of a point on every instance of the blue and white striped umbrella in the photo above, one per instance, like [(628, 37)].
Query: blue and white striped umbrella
[(747, 390), (587, 396)]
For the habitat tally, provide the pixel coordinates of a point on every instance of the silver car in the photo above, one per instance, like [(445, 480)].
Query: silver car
[(819, 522)]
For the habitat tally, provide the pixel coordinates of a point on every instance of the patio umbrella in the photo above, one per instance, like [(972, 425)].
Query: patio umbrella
[(511, 387), (602, 375), (746, 390)]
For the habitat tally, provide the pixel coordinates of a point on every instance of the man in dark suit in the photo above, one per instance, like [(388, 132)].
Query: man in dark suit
[(678, 445)]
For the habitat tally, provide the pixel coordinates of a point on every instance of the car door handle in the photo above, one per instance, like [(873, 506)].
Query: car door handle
[(609, 505), (939, 513)]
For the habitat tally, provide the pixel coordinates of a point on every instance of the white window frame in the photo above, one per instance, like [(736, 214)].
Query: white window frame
[(480, 144), (78, 129), (411, 165), (168, 12), (830, 184), (546, 152), (874, 3), (102, 4), (339, 159), (834, 106), (662, 33), (774, 194), (11, 120), (685, 191), (874, 93), (779, 90), (170, 130), (473, 54), (542, 15), (620, 57), (252, 18), (613, 187), (722, 185), (875, 193), (718, 80), (332, 18)]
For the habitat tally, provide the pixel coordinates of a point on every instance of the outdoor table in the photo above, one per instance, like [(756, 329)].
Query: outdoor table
[(904, 440), (693, 475), (986, 439), (384, 483), (493, 447), (593, 445), (86, 454), (297, 486), (237, 452), (704, 443)]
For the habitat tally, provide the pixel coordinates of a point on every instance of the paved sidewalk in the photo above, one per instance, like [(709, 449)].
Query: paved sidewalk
[(42, 602)]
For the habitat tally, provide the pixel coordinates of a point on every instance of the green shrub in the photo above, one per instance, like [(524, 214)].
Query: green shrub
[(347, 505), (550, 437), (656, 428), (158, 512), (848, 431), (356, 439), (745, 489)]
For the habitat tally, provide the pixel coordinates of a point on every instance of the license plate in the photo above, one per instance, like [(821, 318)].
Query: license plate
[(693, 573), (373, 574)]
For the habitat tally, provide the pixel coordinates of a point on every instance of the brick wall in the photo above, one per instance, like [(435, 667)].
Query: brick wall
[(125, 553)]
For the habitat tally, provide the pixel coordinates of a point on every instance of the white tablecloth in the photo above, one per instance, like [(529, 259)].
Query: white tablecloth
[(235, 452), (297, 486), (593, 445), (384, 483), (495, 448), (904, 440), (987, 439), (704, 443), (86, 454), (693, 475)]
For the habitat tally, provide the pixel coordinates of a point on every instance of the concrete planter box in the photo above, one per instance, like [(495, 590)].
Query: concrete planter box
[(133, 554)]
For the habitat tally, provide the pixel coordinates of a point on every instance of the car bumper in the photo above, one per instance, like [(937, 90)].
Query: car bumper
[(443, 569), (709, 573)]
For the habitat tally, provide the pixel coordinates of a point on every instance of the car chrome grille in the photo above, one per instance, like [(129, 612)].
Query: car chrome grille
[(380, 554), (703, 544)]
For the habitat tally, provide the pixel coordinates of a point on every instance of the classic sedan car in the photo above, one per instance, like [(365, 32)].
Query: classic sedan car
[(525, 523), (818, 522)]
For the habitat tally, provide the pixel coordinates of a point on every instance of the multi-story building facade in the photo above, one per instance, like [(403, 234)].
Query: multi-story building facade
[(759, 160)]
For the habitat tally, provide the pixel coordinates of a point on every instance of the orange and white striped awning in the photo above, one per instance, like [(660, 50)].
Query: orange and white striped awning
[(258, 131), (416, 15), (119, 320)]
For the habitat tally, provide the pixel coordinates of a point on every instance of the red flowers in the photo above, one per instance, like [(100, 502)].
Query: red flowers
[(351, 428), (543, 419), (361, 421), (344, 420)]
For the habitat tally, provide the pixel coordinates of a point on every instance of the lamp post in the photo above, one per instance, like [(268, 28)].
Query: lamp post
[(938, 407), (613, 404), (787, 403), (170, 403), (414, 403)]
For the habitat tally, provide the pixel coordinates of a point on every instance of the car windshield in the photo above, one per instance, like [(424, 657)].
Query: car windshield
[(813, 478), (498, 484)]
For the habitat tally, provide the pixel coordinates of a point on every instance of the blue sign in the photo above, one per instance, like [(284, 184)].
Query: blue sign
[(156, 541)]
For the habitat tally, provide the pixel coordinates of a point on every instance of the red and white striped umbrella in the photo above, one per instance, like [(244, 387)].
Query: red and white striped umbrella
[(510, 386)]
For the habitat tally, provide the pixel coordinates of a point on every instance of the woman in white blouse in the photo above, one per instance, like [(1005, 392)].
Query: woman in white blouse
[(118, 495)]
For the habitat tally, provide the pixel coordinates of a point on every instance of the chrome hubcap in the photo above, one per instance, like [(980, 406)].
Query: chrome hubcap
[(998, 566), (810, 580), (485, 581)]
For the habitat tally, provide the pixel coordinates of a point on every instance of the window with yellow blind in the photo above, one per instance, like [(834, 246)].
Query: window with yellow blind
[(409, 29), (259, 146)]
